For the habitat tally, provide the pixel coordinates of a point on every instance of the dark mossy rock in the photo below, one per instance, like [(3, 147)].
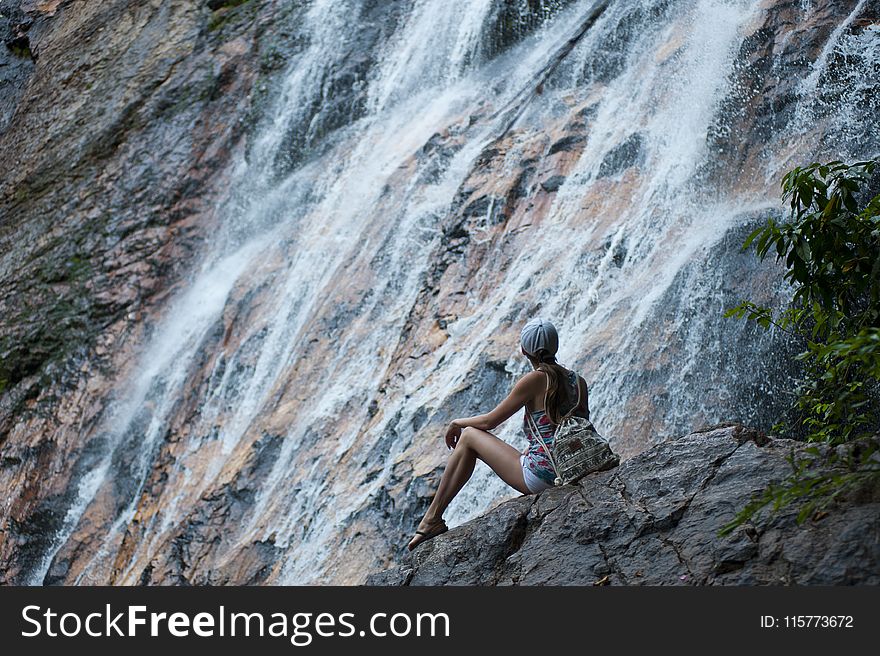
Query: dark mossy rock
[(628, 153), (513, 20), (553, 184)]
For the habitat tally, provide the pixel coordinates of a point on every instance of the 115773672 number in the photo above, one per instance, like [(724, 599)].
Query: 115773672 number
[(807, 621)]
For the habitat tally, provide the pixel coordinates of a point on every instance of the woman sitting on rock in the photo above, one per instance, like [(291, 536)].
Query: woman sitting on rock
[(544, 392)]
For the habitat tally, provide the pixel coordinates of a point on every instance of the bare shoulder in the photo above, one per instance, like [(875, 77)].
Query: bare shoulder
[(533, 379)]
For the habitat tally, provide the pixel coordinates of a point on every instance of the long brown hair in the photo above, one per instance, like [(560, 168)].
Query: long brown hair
[(558, 396)]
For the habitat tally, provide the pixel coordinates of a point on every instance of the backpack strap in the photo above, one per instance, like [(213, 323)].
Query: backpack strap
[(546, 391), (537, 431)]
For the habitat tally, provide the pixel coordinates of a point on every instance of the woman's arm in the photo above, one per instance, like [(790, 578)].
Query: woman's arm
[(527, 387)]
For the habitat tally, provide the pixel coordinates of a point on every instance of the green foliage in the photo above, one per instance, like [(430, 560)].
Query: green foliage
[(838, 400), (217, 5), (20, 47), (816, 481), (221, 12), (830, 247)]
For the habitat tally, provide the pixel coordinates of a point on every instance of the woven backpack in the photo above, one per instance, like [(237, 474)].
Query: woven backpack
[(576, 448)]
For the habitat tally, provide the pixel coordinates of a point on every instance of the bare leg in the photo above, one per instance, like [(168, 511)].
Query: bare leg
[(473, 444)]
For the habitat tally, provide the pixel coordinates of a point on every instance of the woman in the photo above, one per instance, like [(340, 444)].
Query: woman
[(548, 393)]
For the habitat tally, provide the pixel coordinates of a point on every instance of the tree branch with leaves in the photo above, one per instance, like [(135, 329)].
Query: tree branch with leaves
[(830, 247)]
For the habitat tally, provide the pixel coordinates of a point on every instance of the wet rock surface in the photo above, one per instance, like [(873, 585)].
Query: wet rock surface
[(121, 122), (653, 521)]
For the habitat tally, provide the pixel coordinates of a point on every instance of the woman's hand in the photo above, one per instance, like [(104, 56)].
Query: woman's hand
[(525, 451), (452, 435)]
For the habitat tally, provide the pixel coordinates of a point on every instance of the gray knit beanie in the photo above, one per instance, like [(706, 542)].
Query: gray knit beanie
[(539, 334)]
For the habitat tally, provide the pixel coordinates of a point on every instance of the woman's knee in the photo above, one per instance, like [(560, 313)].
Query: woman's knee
[(469, 435)]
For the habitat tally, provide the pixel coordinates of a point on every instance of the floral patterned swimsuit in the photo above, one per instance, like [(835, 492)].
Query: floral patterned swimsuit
[(536, 460)]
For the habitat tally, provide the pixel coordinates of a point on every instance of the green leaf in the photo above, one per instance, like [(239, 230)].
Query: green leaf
[(830, 252), (751, 237)]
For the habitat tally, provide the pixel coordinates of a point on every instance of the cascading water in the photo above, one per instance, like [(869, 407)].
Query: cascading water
[(281, 398)]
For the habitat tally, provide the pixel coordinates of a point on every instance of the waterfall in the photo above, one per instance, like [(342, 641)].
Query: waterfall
[(281, 374)]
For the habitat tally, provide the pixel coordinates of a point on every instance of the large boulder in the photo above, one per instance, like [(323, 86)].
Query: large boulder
[(655, 520)]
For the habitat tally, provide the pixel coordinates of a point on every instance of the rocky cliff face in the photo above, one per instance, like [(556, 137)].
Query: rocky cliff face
[(654, 521), (120, 124), (255, 254)]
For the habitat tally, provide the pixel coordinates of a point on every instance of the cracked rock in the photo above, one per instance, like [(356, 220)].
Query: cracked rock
[(654, 520)]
